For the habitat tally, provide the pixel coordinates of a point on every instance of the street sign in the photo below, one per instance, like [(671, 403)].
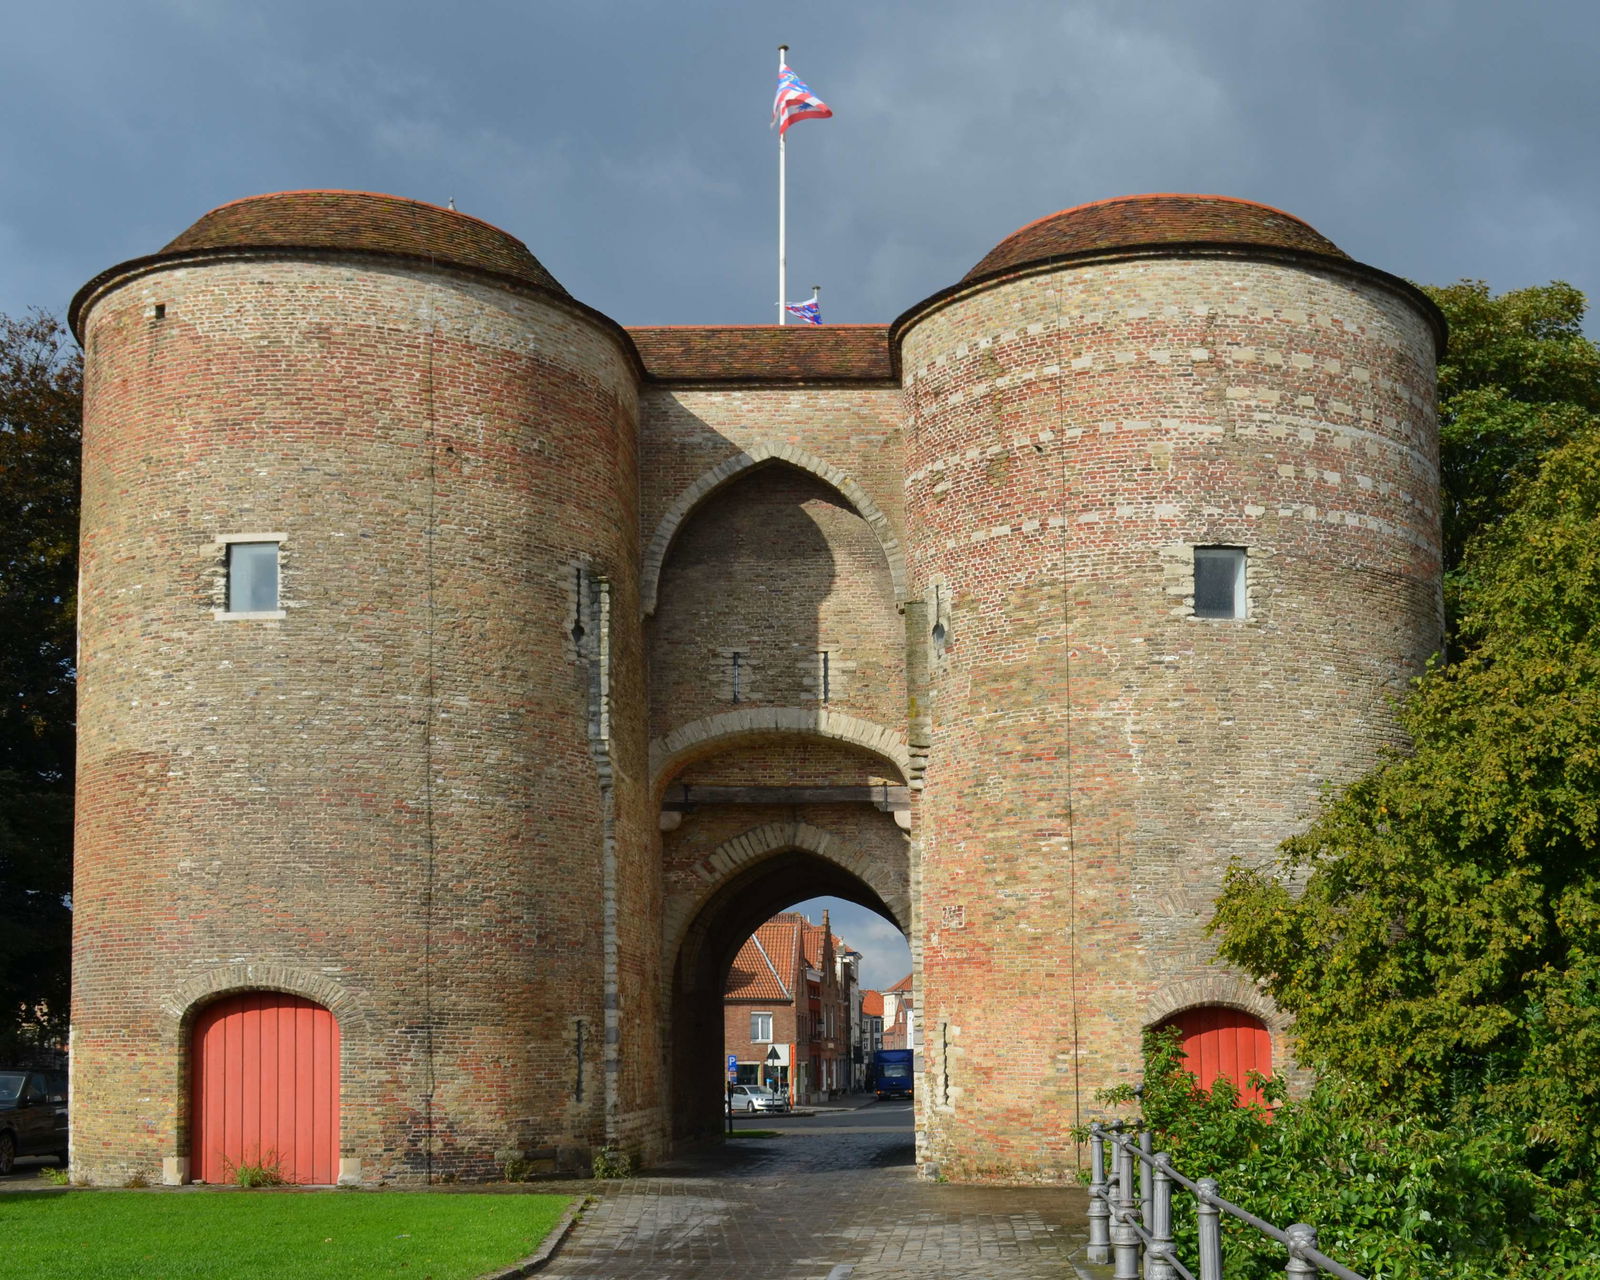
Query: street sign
[(773, 1055), (733, 1066)]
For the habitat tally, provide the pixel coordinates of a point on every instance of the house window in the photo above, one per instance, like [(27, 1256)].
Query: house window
[(251, 575), (1219, 582), (761, 1027)]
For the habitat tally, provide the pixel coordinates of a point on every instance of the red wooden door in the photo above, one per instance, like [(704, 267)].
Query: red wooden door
[(266, 1087), (1224, 1042)]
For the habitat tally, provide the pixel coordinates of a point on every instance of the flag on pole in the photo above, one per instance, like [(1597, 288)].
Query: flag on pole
[(810, 312), (795, 101)]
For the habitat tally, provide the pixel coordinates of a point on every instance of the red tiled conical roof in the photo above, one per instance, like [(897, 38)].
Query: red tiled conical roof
[(365, 222), (1136, 222)]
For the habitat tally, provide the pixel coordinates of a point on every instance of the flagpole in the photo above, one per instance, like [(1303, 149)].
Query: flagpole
[(783, 230)]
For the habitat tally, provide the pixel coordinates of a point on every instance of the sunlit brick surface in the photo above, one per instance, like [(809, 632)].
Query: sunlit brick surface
[(563, 603)]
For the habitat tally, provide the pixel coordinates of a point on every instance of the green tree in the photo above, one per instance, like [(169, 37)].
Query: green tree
[(1519, 378), (1436, 933), (41, 379), (1446, 940)]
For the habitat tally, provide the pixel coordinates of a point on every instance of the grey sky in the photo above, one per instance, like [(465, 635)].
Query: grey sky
[(627, 143)]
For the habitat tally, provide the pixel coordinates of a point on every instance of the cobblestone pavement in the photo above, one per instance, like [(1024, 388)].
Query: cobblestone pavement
[(835, 1198)]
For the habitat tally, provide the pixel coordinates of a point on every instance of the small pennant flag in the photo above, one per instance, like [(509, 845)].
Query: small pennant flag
[(795, 101), (810, 312)]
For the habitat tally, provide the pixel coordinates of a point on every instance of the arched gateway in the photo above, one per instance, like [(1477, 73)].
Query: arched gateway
[(496, 669)]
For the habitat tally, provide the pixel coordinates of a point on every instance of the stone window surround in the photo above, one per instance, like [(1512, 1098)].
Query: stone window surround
[(223, 541)]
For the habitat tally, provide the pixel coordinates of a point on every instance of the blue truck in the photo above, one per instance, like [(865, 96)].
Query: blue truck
[(892, 1073)]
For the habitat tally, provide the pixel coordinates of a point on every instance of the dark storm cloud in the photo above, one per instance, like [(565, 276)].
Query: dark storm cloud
[(627, 143)]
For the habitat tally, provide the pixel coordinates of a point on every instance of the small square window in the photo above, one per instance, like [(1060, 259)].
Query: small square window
[(1219, 582), (252, 577), (761, 1027)]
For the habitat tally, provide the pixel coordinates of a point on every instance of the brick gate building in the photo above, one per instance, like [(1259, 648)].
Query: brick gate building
[(464, 676)]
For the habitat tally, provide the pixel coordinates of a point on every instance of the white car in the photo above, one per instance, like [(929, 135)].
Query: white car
[(755, 1097)]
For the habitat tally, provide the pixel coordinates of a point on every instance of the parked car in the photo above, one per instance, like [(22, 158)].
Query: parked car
[(755, 1097), (33, 1116)]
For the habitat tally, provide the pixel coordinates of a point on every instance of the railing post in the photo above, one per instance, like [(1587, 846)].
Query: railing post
[(1099, 1210), (1124, 1239), (1301, 1236), (1158, 1257), (1210, 1231), (1146, 1145)]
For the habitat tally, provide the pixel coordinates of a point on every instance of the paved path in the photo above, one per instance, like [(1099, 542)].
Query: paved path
[(836, 1198)]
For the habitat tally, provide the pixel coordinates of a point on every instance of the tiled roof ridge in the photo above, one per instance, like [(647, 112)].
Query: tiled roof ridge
[(1153, 221), (334, 220), (1155, 195), (788, 328), (376, 195), (764, 353)]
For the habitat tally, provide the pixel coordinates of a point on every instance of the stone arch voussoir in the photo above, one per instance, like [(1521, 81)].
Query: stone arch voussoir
[(187, 997), (1225, 989), (672, 520), (700, 737), (731, 857)]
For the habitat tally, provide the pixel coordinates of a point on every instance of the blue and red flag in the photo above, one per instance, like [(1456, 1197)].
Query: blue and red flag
[(810, 312), (795, 101)]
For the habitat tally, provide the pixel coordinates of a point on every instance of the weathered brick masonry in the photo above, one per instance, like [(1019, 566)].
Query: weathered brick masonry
[(585, 633)]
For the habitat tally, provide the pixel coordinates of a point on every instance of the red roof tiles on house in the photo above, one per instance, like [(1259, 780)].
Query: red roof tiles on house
[(765, 353), (1130, 222), (766, 965), (872, 1003)]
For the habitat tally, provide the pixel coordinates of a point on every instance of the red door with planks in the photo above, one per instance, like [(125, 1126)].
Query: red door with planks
[(266, 1088), (1224, 1042)]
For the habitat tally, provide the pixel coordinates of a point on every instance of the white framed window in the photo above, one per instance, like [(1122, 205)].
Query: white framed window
[(1219, 582), (250, 575), (761, 1028)]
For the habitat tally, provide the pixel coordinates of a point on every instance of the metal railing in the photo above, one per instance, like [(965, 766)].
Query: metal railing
[(1133, 1229)]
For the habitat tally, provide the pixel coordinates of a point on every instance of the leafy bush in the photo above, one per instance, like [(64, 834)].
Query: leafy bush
[(1393, 1192), (612, 1162)]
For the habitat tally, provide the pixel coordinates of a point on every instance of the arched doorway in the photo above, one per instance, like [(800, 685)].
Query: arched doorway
[(1222, 1042), (265, 1071), (706, 954)]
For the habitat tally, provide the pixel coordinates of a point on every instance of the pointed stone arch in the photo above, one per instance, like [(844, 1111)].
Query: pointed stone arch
[(731, 857), (756, 455), (671, 751)]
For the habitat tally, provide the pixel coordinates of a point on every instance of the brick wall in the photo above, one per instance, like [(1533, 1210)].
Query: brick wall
[(514, 582), (392, 794), (1099, 754)]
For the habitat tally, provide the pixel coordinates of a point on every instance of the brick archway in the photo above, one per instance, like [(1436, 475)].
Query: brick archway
[(760, 455), (746, 893), (747, 850)]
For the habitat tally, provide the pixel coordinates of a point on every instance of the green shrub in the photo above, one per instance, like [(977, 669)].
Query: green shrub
[(1392, 1192), (612, 1162)]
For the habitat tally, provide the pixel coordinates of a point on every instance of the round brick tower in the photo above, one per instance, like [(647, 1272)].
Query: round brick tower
[(1172, 501), (359, 504)]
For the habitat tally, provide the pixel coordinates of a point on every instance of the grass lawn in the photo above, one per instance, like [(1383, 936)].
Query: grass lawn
[(243, 1235)]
